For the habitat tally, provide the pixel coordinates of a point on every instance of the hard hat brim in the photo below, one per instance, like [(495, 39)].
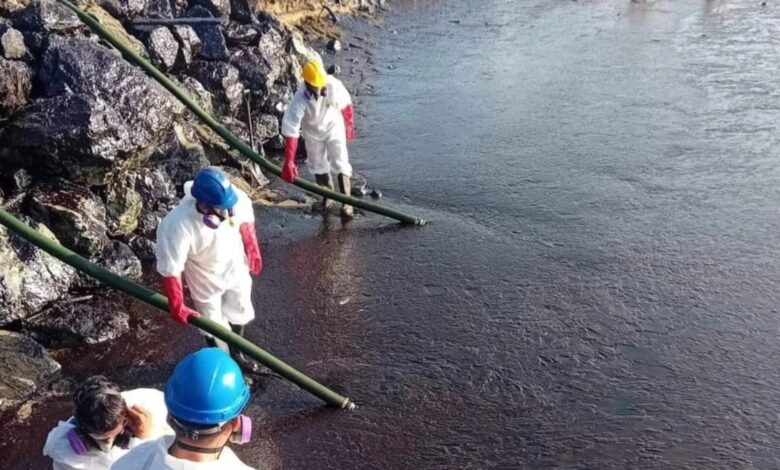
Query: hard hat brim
[(320, 82)]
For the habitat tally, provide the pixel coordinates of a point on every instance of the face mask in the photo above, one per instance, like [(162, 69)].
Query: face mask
[(213, 221), (76, 443), (80, 447), (105, 446), (244, 432), (314, 96)]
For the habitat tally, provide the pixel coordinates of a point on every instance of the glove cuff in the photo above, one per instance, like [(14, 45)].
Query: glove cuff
[(290, 148)]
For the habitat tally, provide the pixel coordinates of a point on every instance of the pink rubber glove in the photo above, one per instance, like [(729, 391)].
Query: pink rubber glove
[(175, 292), (251, 248), (349, 121), (289, 170)]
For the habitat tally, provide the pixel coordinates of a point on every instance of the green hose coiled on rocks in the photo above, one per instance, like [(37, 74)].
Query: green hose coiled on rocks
[(134, 58), (153, 298)]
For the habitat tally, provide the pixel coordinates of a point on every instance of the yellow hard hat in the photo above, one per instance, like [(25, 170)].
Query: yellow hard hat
[(314, 74)]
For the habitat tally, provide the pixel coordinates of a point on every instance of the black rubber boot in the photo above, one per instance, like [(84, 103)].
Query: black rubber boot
[(247, 365), (345, 186), (323, 179)]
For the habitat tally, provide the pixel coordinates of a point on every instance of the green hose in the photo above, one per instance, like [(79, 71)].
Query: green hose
[(233, 141), (153, 298)]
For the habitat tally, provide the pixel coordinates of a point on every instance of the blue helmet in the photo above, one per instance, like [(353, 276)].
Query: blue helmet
[(212, 187), (206, 388)]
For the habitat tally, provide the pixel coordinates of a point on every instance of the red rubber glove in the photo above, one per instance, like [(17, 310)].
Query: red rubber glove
[(251, 248), (175, 292), (289, 170), (349, 121)]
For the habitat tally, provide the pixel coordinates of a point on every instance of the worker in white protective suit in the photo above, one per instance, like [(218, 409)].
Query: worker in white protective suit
[(210, 238), (322, 111), (205, 395), (106, 424)]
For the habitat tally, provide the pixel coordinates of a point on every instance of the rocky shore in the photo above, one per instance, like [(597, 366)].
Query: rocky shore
[(93, 152)]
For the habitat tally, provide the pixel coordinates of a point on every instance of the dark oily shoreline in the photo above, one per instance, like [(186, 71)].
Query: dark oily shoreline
[(141, 353)]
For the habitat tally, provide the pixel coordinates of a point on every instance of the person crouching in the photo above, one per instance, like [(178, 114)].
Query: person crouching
[(106, 423)]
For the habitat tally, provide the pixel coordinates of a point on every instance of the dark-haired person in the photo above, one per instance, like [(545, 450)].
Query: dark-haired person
[(106, 423)]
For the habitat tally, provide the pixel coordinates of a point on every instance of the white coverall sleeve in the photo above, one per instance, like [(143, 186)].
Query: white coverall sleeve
[(340, 94), (293, 117), (243, 211), (173, 247), (153, 401)]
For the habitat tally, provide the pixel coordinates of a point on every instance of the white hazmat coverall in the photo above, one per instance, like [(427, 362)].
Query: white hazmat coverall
[(213, 260), (154, 455), (59, 449), (322, 124)]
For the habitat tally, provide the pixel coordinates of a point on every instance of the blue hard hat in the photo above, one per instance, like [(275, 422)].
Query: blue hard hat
[(206, 388), (212, 187)]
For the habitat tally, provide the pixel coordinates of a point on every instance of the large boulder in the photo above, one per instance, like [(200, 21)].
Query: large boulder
[(158, 9), (218, 8), (159, 195), (26, 366), (143, 247), (242, 11), (97, 112), (276, 100), (266, 127), (130, 9), (213, 45), (12, 44), (123, 206), (80, 321), (47, 15), (117, 258), (222, 81), (189, 44), (81, 66), (71, 135), (274, 40), (257, 72), (15, 85), (9, 7), (29, 277), (155, 187), (160, 185), (237, 34), (181, 157), (163, 48), (73, 213), (180, 7), (41, 18), (272, 68)]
